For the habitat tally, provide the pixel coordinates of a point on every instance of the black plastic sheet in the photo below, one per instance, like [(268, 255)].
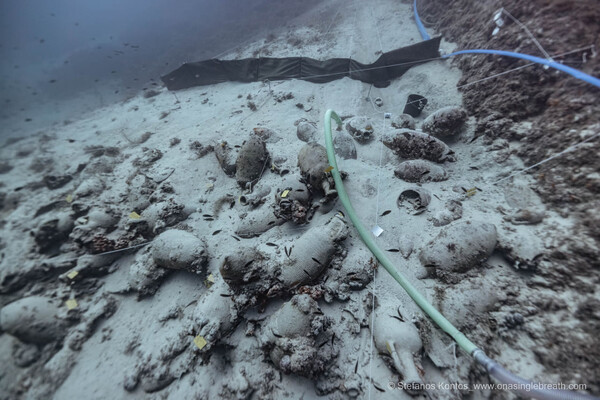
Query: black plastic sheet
[(388, 66)]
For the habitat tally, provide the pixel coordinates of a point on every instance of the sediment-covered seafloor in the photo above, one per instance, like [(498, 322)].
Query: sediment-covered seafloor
[(192, 245)]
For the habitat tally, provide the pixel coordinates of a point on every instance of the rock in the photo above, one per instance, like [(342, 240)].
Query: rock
[(403, 121), (445, 122), (414, 145), (313, 163), (420, 171), (307, 132), (459, 247), (33, 319), (177, 249), (344, 145), (226, 157), (361, 129), (252, 161)]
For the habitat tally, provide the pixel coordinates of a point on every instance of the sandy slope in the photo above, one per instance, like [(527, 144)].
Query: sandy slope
[(151, 339)]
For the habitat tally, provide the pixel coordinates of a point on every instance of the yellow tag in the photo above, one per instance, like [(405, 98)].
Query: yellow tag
[(471, 192), (329, 169), (210, 279), (200, 342), (71, 304), (72, 274), (69, 198), (284, 194), (134, 215), (387, 345)]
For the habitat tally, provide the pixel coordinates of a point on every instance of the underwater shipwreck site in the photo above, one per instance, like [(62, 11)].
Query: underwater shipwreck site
[(321, 199)]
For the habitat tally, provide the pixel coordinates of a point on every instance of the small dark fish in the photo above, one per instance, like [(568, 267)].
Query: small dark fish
[(332, 338), (317, 261), (271, 244), (275, 334), (378, 388), (473, 167), (224, 295), (248, 264), (306, 272), (236, 238), (207, 215), (323, 344), (386, 212), (216, 232), (356, 367), (393, 250), (209, 219)]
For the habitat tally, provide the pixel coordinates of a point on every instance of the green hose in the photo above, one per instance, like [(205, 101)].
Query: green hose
[(418, 298)]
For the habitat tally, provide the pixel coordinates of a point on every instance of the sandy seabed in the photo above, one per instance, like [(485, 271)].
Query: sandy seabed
[(238, 293)]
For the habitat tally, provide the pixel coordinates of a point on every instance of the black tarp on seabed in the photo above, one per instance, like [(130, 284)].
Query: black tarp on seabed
[(388, 66)]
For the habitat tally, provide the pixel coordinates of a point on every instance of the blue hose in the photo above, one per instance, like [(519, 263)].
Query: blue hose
[(424, 33), (553, 64), (571, 71)]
